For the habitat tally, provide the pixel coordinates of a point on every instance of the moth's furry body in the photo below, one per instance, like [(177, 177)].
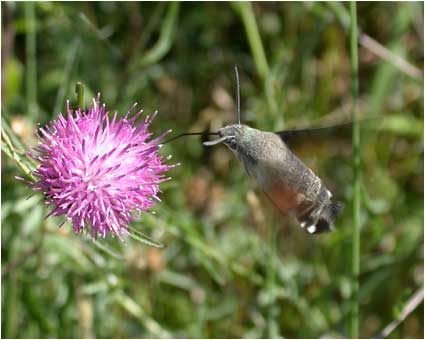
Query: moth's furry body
[(285, 179)]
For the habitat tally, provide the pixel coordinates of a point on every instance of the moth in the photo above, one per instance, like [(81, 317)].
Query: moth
[(293, 187)]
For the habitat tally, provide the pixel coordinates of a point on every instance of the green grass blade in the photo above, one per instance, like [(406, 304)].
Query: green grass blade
[(70, 64), (31, 59), (8, 145), (140, 314), (354, 319), (248, 18), (163, 45)]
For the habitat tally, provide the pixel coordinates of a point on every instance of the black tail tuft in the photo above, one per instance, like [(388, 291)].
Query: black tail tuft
[(335, 209), (326, 218)]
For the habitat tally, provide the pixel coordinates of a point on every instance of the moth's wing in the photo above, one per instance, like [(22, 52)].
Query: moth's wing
[(296, 136), (293, 137)]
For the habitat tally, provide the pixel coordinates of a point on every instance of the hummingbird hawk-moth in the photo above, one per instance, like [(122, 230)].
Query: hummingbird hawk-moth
[(293, 187), (284, 178)]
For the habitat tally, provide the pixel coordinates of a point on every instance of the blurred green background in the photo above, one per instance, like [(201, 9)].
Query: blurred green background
[(232, 265)]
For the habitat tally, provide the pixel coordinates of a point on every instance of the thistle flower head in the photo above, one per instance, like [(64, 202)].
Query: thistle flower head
[(98, 171)]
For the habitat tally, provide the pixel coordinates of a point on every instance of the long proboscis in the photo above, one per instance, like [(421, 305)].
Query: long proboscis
[(191, 134)]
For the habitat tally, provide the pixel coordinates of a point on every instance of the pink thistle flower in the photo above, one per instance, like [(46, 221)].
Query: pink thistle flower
[(98, 172)]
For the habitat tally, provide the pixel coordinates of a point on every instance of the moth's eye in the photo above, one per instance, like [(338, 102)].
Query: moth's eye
[(232, 144)]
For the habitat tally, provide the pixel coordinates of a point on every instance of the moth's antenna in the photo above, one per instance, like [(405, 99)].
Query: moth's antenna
[(238, 96)]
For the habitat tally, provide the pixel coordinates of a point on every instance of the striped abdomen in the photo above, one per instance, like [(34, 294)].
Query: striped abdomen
[(295, 189)]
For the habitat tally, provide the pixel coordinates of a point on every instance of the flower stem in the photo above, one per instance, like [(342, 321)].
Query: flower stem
[(354, 320), (79, 90)]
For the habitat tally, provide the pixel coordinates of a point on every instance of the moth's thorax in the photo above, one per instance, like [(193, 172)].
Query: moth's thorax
[(257, 150), (251, 142), (254, 148)]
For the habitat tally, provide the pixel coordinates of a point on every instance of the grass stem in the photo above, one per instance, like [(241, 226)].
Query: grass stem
[(354, 319), (166, 37), (31, 58), (69, 67), (248, 18), (246, 12)]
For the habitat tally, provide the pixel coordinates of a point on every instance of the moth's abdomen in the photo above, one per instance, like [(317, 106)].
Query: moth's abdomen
[(288, 182), (285, 198), (295, 189), (320, 215)]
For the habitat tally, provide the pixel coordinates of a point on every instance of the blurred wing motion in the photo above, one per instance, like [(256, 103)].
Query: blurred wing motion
[(343, 130), (294, 135)]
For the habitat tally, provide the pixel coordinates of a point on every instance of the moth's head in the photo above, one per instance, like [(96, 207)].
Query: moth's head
[(236, 137), (231, 135)]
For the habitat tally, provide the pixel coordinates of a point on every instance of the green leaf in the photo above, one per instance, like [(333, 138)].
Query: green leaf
[(12, 79)]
